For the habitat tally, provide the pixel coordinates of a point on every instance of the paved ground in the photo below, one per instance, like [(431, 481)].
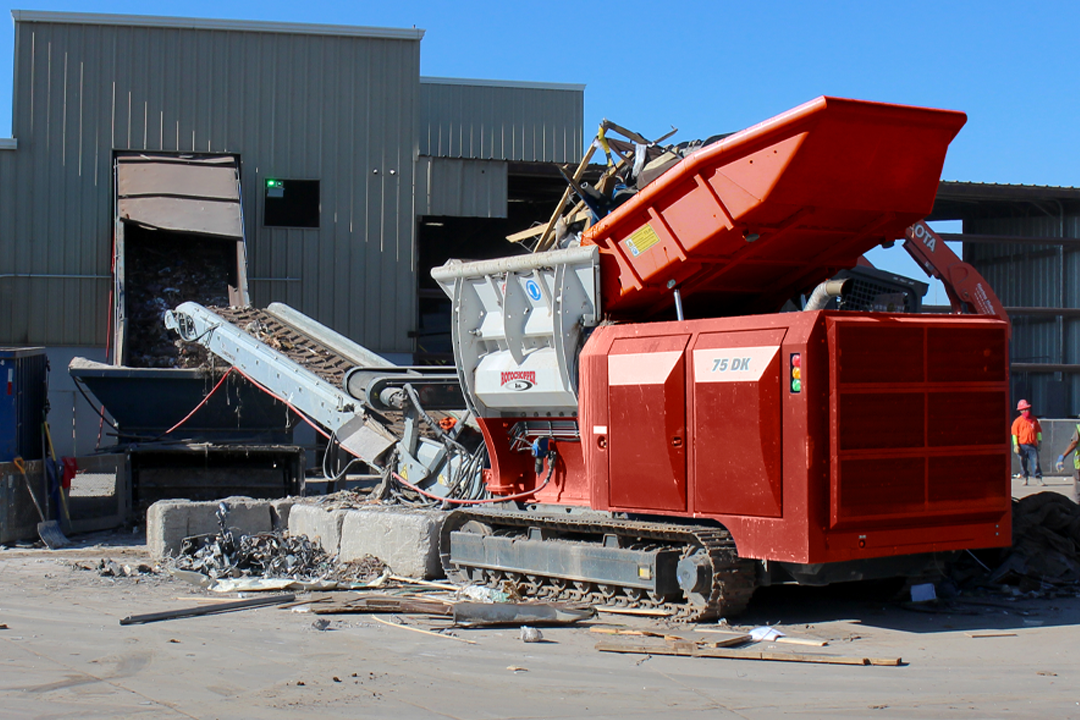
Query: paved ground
[(64, 654), (1063, 485)]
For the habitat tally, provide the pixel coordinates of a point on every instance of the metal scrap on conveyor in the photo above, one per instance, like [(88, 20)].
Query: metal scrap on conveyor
[(306, 352), (299, 348)]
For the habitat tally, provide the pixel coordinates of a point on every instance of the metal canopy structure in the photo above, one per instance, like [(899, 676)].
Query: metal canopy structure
[(1025, 240)]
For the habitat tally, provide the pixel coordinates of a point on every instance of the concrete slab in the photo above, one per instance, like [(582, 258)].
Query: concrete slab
[(168, 522), (406, 539), (65, 654), (279, 512), (318, 524)]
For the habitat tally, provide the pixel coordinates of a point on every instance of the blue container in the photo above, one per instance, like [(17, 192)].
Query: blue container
[(24, 392)]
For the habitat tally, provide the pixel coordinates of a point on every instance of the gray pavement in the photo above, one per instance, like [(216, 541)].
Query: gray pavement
[(64, 654)]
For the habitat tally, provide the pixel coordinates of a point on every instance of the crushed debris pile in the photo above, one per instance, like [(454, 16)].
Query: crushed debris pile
[(264, 555), (1046, 543), (109, 568), (632, 163), (1043, 561), (268, 555)]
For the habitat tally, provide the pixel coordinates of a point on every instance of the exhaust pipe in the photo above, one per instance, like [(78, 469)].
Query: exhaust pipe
[(825, 292)]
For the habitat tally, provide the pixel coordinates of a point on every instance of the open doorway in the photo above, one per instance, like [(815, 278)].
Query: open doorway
[(179, 237), (533, 190)]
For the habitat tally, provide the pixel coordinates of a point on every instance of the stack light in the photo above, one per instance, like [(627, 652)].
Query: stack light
[(796, 372)]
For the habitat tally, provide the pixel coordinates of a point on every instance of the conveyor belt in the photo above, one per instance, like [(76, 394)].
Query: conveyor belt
[(309, 354), (301, 349)]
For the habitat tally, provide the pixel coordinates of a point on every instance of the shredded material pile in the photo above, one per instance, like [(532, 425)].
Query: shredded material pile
[(1046, 543), (267, 555)]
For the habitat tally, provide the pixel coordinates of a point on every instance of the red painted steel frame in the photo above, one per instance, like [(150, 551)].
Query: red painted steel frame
[(896, 443), (769, 212)]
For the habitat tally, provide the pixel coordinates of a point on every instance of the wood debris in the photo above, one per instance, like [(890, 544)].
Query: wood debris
[(687, 649)]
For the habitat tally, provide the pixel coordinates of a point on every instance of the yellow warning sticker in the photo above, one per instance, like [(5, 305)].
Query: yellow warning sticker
[(641, 240)]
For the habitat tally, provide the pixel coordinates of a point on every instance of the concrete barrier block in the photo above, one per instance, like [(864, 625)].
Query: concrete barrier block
[(404, 538), (168, 522), (318, 524), (279, 512)]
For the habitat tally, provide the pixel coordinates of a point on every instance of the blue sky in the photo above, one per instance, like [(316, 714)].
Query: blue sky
[(708, 67)]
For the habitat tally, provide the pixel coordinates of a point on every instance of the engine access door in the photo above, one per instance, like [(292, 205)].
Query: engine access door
[(736, 424), (647, 423)]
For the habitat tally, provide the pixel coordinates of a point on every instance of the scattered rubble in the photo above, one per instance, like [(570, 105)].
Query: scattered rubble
[(1044, 560), (270, 555), (274, 555)]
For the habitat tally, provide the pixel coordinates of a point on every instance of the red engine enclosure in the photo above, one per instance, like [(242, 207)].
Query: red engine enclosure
[(896, 443)]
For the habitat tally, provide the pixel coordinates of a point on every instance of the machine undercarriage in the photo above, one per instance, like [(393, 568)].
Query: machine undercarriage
[(691, 572)]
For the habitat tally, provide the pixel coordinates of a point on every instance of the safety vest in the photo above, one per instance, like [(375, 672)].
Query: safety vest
[(1076, 452)]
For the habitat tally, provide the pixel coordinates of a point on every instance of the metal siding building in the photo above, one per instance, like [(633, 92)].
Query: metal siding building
[(344, 106), (1039, 283), (471, 130), (489, 120), (337, 105)]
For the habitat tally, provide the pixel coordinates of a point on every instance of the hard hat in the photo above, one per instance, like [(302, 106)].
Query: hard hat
[(1023, 405)]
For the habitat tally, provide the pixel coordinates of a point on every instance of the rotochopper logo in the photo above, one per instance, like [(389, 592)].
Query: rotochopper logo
[(518, 379)]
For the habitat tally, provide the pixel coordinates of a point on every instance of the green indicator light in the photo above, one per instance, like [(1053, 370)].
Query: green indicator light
[(796, 385)]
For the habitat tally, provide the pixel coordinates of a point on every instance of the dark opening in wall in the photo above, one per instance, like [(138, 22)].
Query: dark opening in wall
[(163, 269), (291, 203)]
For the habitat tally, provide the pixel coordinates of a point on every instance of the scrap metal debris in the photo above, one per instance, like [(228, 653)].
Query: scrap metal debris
[(111, 568), (1043, 561), (383, 604), (632, 162), (274, 555), (472, 614), (214, 609)]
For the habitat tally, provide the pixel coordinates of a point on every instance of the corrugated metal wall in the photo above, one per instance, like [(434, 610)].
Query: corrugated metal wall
[(1025, 275), (461, 188), (525, 122), (338, 109)]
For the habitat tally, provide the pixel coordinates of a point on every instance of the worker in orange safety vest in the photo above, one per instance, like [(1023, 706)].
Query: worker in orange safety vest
[(1026, 436)]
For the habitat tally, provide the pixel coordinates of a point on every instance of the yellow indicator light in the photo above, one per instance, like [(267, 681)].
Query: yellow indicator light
[(796, 373)]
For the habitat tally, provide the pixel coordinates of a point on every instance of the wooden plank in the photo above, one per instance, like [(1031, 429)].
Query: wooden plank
[(384, 604), (424, 583), (801, 641), (690, 650), (990, 634), (307, 601), (711, 639), (542, 244), (576, 215), (423, 632), (643, 612)]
